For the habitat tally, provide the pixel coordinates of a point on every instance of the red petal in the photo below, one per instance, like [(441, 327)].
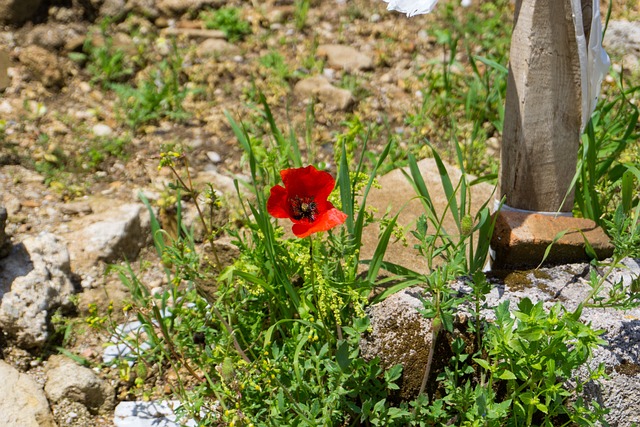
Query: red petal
[(326, 221), (278, 204), (308, 181)]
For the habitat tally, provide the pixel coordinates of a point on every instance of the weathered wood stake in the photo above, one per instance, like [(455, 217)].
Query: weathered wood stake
[(543, 107)]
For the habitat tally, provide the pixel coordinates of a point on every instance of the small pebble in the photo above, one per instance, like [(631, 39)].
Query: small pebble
[(214, 157), (102, 130)]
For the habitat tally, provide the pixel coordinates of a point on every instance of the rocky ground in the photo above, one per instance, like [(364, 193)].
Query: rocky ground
[(72, 163)]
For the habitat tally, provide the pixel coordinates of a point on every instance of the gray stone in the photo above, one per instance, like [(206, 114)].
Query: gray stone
[(149, 414), (111, 234), (319, 87), (34, 281), (16, 12), (345, 57), (53, 36), (68, 380), (623, 38), (23, 402), (5, 63)]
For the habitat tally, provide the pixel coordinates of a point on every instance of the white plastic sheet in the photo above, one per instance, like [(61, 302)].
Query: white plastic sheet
[(594, 61), (411, 7)]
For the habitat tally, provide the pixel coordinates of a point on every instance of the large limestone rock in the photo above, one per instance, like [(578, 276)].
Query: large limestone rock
[(23, 402), (68, 380), (34, 281), (399, 333), (16, 12), (397, 195)]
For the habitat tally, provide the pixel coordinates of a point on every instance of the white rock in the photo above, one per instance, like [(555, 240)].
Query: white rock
[(23, 402), (101, 130), (214, 157), (148, 414)]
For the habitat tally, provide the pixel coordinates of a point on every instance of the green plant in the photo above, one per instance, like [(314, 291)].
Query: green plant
[(101, 149), (275, 63), (301, 12), (463, 95), (229, 21), (106, 63), (159, 95), (279, 333), (535, 352), (606, 169)]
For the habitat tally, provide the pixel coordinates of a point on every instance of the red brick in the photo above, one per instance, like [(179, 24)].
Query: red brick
[(520, 240)]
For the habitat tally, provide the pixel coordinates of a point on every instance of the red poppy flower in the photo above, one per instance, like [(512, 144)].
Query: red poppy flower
[(303, 200)]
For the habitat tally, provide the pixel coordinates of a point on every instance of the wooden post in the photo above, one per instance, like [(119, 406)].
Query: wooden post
[(543, 107), (541, 135)]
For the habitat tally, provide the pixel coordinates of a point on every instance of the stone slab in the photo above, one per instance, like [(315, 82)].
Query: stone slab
[(520, 240), (397, 196)]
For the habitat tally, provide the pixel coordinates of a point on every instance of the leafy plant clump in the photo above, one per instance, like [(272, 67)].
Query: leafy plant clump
[(273, 338), (229, 21)]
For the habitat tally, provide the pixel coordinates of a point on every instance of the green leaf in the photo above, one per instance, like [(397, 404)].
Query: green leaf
[(344, 183), (483, 363), (507, 375), (627, 191), (342, 355), (542, 407), (449, 191), (381, 249)]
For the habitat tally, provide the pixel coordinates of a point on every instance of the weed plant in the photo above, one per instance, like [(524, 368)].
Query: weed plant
[(229, 21), (106, 63), (273, 338), (158, 95), (276, 341)]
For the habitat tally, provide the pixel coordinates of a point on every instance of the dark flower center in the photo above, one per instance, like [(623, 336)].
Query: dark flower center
[(303, 207)]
